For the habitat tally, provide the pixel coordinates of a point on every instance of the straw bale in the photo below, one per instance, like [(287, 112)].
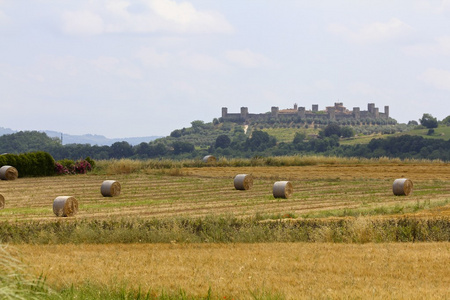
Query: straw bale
[(65, 206), (8, 173), (110, 188), (2, 201), (209, 159), (243, 181), (282, 189), (402, 187)]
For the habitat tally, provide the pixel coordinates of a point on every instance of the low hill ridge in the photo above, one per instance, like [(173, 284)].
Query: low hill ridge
[(92, 139)]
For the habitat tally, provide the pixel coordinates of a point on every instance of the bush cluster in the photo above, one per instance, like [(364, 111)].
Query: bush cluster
[(68, 166), (30, 164)]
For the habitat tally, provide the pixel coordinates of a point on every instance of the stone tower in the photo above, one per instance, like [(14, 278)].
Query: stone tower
[(302, 112), (356, 113), (224, 112), (332, 113), (274, 111), (244, 113)]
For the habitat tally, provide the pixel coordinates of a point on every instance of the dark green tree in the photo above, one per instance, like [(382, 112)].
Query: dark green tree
[(331, 129), (299, 138), (428, 121), (182, 147), (347, 132), (197, 126), (158, 150), (260, 141), (121, 150), (446, 121), (142, 150), (176, 133), (223, 141)]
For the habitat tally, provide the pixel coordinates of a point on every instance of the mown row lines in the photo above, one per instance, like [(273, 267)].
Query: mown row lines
[(214, 193)]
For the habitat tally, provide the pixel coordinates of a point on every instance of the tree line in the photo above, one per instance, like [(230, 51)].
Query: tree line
[(235, 144)]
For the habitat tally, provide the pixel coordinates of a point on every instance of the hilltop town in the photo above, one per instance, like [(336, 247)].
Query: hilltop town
[(338, 112)]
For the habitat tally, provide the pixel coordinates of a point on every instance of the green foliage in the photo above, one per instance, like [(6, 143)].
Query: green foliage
[(182, 147), (92, 291), (331, 129), (347, 132), (299, 138), (26, 141), (223, 141), (428, 121), (260, 141), (446, 121), (121, 150), (30, 164), (67, 163), (90, 161), (176, 133), (285, 136)]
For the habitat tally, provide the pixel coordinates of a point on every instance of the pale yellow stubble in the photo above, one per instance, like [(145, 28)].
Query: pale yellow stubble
[(298, 270)]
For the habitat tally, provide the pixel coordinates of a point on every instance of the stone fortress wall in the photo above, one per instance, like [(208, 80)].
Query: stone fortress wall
[(333, 113)]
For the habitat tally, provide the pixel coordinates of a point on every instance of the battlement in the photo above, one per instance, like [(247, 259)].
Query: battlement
[(335, 113)]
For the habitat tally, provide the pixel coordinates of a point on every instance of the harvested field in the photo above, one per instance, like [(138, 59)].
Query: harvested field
[(292, 270), (209, 191), (352, 268)]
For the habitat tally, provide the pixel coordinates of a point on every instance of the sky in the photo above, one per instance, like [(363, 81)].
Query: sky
[(131, 68)]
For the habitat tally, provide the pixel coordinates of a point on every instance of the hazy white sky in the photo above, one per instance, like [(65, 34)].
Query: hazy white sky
[(124, 68)]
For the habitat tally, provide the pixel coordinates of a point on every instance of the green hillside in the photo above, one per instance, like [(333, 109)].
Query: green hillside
[(442, 132), (369, 138), (203, 135)]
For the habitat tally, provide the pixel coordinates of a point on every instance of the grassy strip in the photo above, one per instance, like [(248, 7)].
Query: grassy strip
[(127, 166), (377, 211), (93, 291), (228, 229)]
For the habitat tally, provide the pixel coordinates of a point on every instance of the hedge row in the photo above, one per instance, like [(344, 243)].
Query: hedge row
[(30, 164)]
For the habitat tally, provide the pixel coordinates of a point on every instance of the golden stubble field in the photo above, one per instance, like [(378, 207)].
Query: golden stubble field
[(294, 270), (235, 271)]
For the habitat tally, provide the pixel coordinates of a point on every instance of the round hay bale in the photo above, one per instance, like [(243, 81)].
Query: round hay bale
[(8, 173), (402, 187), (282, 189), (65, 206), (209, 159), (2, 201), (243, 181), (110, 188)]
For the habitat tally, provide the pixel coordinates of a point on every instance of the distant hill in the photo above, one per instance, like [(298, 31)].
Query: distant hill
[(95, 139), (92, 139), (6, 131)]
